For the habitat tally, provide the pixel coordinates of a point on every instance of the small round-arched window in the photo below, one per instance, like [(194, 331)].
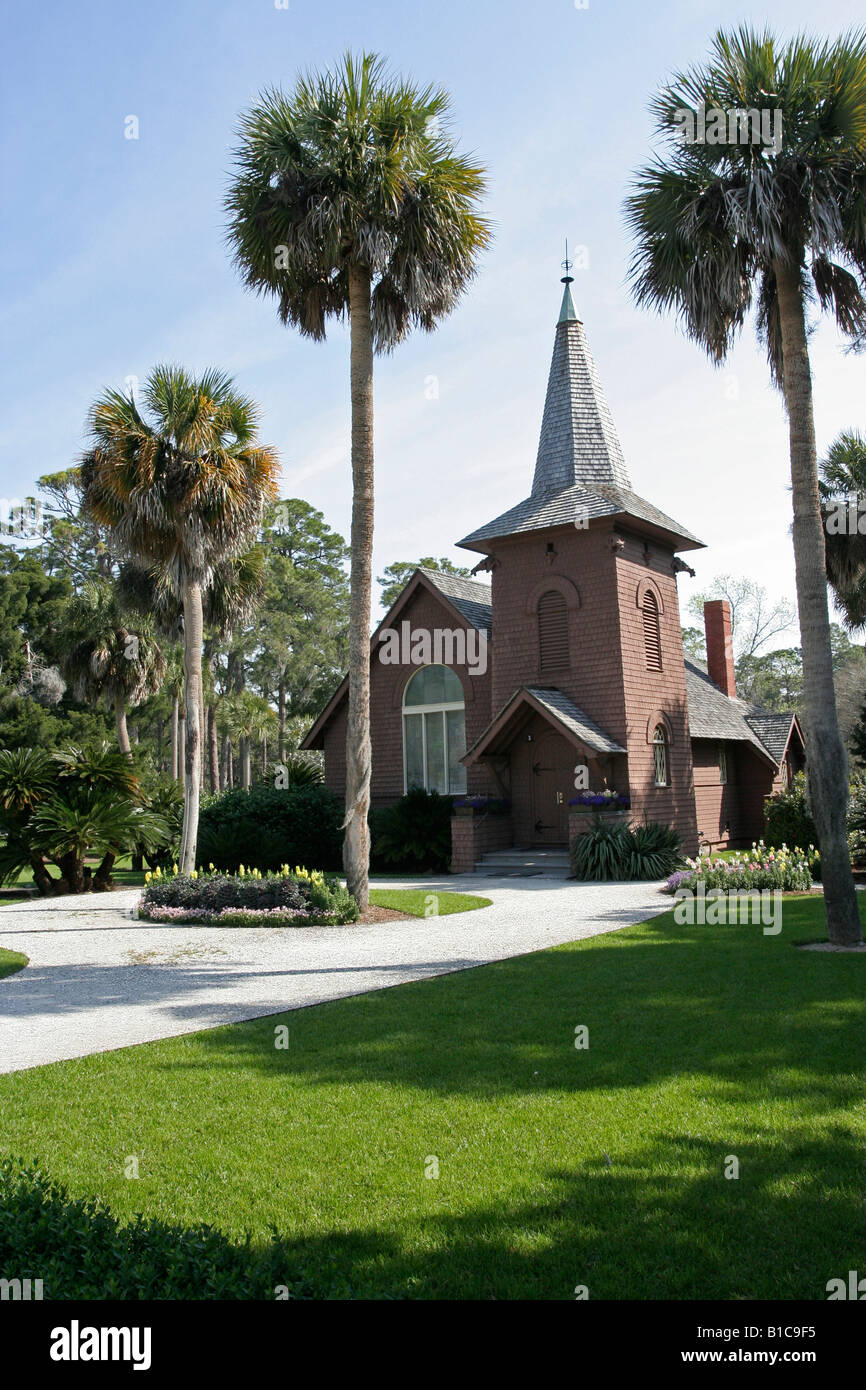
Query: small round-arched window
[(660, 755), (434, 731)]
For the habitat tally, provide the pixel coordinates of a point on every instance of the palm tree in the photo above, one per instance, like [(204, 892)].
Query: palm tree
[(349, 198), (107, 658), (720, 226), (843, 478), (181, 488)]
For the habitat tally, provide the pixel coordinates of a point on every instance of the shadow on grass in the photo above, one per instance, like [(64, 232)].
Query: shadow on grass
[(658, 1222), (750, 1016)]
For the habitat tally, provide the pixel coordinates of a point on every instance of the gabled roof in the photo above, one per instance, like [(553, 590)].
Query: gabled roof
[(713, 714), (469, 601), (471, 597), (774, 730), (554, 706)]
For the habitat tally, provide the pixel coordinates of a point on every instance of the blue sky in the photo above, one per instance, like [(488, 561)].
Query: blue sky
[(113, 258)]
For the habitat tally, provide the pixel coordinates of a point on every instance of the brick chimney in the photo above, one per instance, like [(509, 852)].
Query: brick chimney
[(720, 650)]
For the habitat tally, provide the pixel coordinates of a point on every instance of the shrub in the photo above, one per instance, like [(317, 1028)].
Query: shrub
[(300, 898), (415, 833), (762, 867), (600, 852), (81, 1251), (788, 819), (59, 808), (857, 822), (266, 827), (612, 850), (654, 850)]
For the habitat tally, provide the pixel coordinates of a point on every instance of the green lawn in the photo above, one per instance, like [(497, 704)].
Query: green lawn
[(556, 1166), (10, 962), (422, 903)]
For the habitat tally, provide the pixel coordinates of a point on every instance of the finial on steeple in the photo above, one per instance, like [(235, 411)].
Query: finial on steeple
[(567, 313)]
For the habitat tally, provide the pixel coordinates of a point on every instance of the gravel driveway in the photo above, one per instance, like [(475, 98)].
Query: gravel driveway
[(98, 979)]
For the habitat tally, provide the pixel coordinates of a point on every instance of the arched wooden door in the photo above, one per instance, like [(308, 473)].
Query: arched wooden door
[(551, 786)]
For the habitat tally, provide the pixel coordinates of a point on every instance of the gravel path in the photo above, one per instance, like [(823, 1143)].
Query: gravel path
[(98, 979)]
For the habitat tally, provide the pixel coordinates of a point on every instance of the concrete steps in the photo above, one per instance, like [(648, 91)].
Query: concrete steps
[(525, 863)]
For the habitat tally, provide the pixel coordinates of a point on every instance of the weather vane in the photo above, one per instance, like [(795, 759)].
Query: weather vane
[(566, 265)]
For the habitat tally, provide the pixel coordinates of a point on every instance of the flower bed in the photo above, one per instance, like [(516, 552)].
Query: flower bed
[(790, 870), (290, 898)]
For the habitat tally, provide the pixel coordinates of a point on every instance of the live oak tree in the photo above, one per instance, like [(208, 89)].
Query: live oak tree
[(720, 227), (349, 198), (181, 486)]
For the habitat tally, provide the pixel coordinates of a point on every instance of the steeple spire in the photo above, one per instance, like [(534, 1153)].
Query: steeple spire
[(568, 313), (579, 445)]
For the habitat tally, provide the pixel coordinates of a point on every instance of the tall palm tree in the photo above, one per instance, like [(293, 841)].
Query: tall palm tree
[(842, 478), (719, 227), (182, 488), (350, 198), (106, 658)]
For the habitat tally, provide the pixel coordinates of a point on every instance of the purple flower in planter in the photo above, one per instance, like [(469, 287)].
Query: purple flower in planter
[(601, 800)]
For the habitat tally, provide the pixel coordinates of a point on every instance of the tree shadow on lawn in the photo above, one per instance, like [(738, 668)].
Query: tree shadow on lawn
[(661, 1221), (748, 1017)]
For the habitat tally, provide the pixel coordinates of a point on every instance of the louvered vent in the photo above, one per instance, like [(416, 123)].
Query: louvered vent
[(553, 631), (652, 637)]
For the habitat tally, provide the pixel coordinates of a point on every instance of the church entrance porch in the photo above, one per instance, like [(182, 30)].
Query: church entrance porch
[(533, 751)]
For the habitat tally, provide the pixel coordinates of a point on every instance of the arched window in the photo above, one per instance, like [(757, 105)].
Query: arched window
[(434, 731), (553, 631), (660, 755), (652, 637)]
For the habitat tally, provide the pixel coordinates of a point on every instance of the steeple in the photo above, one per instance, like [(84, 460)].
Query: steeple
[(580, 471), (579, 445)]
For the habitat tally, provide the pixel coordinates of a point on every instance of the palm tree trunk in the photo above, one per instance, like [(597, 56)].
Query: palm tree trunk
[(175, 729), (213, 747), (281, 705), (123, 742), (193, 633), (827, 763), (225, 754), (356, 844)]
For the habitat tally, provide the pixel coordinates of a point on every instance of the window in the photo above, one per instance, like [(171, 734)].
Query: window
[(552, 631), (652, 637), (723, 763), (434, 731), (660, 755)]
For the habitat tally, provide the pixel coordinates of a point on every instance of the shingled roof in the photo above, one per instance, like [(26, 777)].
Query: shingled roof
[(470, 597), (555, 706), (580, 471), (713, 714), (774, 730)]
